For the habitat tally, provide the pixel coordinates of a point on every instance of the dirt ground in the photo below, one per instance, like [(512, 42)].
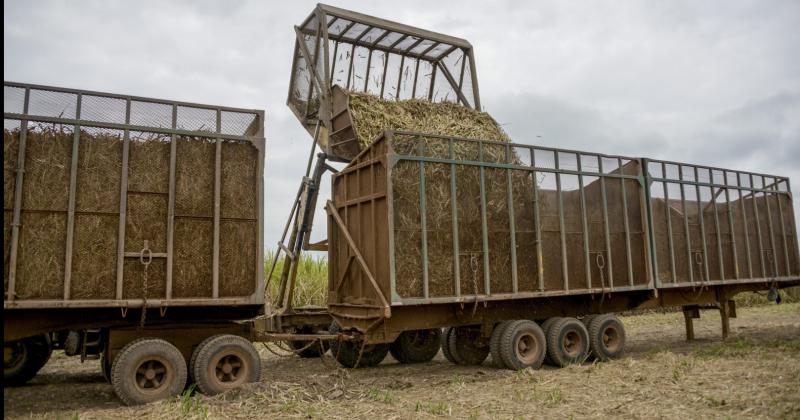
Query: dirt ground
[(754, 374)]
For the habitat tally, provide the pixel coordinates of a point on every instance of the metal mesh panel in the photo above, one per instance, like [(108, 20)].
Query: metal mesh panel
[(338, 26), (148, 163), (197, 119), (13, 99), (237, 123), (194, 182), (151, 114), (238, 180), (133, 283), (11, 132), (40, 262), (48, 158), (192, 263), (49, 103), (100, 169), (103, 109), (237, 257), (146, 220), (94, 257)]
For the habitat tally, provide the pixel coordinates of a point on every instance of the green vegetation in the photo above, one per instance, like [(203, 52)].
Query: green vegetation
[(312, 279)]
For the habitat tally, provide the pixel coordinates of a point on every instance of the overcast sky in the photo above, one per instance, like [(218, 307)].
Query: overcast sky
[(708, 82)]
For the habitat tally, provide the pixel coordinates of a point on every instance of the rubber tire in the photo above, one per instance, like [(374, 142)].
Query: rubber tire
[(130, 358), (508, 345), (448, 354), (37, 352), (555, 340), (346, 352), (494, 344), (463, 346), (311, 352), (220, 346), (597, 345), (546, 328), (406, 349), (193, 360)]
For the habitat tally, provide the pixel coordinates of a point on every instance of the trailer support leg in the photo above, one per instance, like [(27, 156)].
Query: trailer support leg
[(689, 314)]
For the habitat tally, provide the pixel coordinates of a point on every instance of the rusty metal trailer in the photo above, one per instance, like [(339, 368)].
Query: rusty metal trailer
[(132, 229), (484, 238)]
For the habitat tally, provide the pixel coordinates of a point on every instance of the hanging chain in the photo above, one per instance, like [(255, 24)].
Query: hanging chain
[(600, 260), (145, 257), (473, 264)]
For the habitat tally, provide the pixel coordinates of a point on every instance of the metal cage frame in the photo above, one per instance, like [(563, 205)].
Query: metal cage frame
[(84, 112)]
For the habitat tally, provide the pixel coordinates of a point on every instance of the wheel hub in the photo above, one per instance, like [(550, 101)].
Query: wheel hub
[(151, 375), (229, 368)]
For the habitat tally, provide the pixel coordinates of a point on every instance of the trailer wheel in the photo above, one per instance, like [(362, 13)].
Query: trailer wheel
[(148, 370), (494, 344), (522, 345), (606, 337), (445, 344), (347, 352), (22, 359), (466, 346), (416, 346), (225, 362), (567, 342), (546, 328)]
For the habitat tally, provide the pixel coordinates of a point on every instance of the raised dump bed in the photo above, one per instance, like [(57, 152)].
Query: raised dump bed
[(114, 203), (339, 51), (428, 231)]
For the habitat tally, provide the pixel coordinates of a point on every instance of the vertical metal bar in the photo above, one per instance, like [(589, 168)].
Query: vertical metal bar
[(512, 225), (783, 230), (792, 218), (702, 223), (771, 233), (15, 222), (323, 26), (626, 224), (474, 74), (416, 75), (744, 223), (650, 247), (423, 215), (484, 226), (350, 64), (433, 82), (584, 225), (606, 230), (400, 77), (217, 199), (335, 59), (564, 266), (73, 186), (461, 75), (258, 293), (730, 225), (385, 70), (391, 159), (369, 65), (758, 228), (537, 225), (716, 226), (686, 226), (173, 154), (667, 210), (454, 218), (123, 201)]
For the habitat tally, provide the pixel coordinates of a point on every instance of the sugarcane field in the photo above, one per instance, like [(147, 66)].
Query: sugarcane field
[(597, 224)]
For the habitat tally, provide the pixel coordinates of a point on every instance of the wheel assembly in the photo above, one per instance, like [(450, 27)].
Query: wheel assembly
[(522, 345), (567, 342), (148, 370), (445, 344), (546, 328), (494, 344), (224, 362), (352, 354), (416, 346), (606, 337), (22, 359), (466, 346)]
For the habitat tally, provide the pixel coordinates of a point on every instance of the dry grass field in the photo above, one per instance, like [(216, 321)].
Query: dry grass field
[(754, 374)]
